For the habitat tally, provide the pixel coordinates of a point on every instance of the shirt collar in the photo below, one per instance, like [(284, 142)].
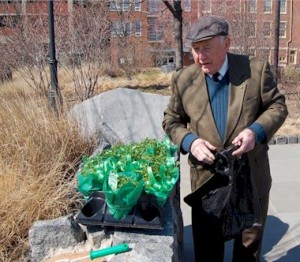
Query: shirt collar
[(223, 69)]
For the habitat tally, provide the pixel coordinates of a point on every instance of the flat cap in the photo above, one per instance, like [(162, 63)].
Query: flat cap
[(206, 28)]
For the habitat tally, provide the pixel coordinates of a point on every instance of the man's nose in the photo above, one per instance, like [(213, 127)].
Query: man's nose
[(201, 55)]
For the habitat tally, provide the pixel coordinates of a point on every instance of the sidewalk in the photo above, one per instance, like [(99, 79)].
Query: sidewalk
[(282, 233)]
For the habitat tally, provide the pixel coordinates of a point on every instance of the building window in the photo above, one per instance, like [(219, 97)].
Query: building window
[(119, 5), (9, 21), (186, 27), (165, 60), (120, 29), (252, 29), (282, 30), (252, 6), (138, 28), (115, 28), (137, 5), (126, 5), (267, 29), (292, 57), (282, 59), (153, 6), (206, 6), (187, 5), (267, 6), (155, 29), (128, 28), (283, 6), (3, 22)]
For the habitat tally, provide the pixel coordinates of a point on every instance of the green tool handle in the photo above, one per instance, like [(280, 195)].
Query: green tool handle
[(108, 251)]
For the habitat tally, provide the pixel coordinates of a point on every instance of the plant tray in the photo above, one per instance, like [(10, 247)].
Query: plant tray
[(144, 215)]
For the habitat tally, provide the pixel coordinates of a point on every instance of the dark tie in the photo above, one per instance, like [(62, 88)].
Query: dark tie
[(215, 77)]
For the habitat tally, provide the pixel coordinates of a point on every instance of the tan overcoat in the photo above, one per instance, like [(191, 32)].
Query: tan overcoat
[(253, 97)]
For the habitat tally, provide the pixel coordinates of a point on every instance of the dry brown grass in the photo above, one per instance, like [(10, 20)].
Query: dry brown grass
[(39, 154), (150, 81), (291, 126)]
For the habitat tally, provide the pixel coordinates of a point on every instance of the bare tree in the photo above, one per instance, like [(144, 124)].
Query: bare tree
[(26, 43), (122, 45), (82, 44), (84, 48), (176, 11), (248, 31), (28, 51)]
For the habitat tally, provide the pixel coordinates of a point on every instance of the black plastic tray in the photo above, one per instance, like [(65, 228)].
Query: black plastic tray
[(144, 215)]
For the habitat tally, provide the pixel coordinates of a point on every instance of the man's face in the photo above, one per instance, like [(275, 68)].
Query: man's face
[(210, 54)]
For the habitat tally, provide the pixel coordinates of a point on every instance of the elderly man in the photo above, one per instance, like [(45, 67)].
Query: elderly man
[(224, 99)]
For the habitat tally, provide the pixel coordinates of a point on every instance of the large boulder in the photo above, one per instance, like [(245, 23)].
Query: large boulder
[(122, 115)]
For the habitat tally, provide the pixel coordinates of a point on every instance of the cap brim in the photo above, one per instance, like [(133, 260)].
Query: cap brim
[(189, 42), (203, 38)]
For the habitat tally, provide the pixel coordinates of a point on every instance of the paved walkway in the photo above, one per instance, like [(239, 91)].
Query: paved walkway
[(282, 234)]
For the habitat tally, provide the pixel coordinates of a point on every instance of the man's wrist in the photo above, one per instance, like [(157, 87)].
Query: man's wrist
[(187, 142), (260, 134)]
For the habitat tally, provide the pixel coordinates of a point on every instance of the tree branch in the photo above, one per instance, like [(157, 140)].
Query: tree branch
[(170, 7)]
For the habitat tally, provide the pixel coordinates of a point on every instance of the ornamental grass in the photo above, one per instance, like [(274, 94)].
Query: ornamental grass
[(39, 155)]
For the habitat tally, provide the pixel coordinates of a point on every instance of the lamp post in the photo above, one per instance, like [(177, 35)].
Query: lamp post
[(53, 94), (276, 39)]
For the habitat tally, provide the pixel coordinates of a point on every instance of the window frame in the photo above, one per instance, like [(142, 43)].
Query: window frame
[(137, 5), (252, 4), (281, 29), (270, 29), (206, 7), (294, 56), (255, 29), (187, 5), (267, 5), (139, 32), (283, 2)]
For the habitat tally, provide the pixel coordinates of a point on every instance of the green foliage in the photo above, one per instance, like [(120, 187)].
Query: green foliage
[(154, 160)]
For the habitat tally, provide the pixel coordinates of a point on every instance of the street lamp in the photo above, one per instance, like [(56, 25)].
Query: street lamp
[(276, 39), (53, 94)]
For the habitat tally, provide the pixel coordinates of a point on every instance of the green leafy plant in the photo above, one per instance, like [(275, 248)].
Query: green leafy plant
[(155, 160)]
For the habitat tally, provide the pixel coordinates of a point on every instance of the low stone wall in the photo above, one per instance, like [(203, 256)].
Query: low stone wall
[(63, 235), (283, 140), (121, 115)]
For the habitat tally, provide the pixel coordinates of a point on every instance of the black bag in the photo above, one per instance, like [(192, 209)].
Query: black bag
[(228, 196)]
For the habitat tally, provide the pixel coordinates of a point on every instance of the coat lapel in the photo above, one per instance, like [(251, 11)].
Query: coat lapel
[(236, 95), (239, 72), (205, 115)]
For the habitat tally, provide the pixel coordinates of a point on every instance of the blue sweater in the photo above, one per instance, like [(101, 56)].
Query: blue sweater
[(218, 96)]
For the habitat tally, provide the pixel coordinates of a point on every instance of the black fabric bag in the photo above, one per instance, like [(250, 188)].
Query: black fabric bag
[(228, 196)]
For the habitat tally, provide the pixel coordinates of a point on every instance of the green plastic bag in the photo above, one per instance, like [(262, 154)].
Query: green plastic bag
[(161, 184), (154, 160), (93, 173), (162, 171), (122, 191)]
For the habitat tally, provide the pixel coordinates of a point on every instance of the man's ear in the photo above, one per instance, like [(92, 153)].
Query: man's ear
[(227, 43)]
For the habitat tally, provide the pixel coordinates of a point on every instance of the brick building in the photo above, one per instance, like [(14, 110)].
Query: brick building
[(143, 30)]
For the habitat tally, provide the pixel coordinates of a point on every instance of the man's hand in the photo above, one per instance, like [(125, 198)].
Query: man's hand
[(202, 150), (245, 140)]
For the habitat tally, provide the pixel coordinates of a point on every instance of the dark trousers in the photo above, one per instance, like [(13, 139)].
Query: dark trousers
[(209, 244)]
